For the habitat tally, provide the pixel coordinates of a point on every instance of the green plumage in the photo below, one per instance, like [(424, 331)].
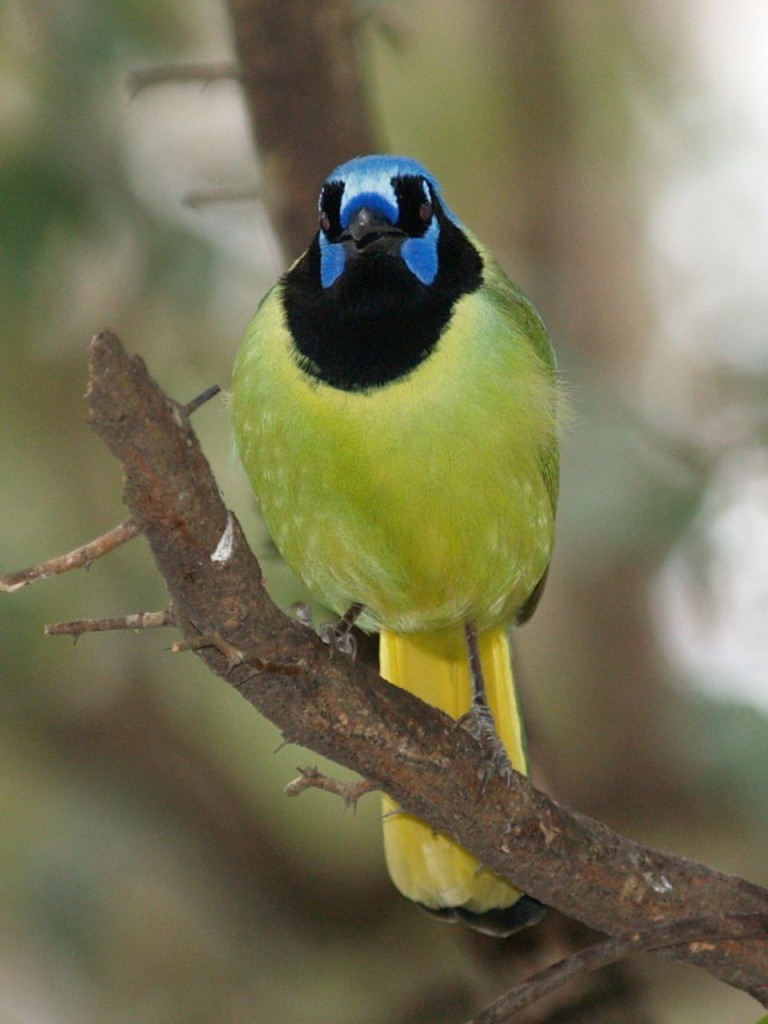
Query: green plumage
[(429, 500)]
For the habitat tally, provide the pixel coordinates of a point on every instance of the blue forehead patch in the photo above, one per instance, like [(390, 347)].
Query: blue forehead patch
[(375, 174)]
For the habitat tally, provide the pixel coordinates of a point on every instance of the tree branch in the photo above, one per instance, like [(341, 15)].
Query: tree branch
[(341, 709), (695, 930), (311, 778), (80, 558), (138, 620), (164, 74)]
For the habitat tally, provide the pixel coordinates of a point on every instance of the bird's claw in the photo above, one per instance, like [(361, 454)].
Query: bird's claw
[(303, 613), (339, 637), (478, 722)]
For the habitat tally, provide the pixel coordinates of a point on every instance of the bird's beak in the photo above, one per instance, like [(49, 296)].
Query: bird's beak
[(369, 233)]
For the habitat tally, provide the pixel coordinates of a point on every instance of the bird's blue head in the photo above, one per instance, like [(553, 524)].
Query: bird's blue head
[(372, 295), (380, 204)]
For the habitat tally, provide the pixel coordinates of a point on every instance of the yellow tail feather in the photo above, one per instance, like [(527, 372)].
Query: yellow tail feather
[(425, 865)]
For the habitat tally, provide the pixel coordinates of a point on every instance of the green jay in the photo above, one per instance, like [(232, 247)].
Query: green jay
[(396, 406)]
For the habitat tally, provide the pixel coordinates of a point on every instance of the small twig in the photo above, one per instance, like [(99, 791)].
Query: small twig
[(162, 74), (691, 932), (77, 559), (236, 657), (202, 398), (311, 778), (222, 194), (139, 620)]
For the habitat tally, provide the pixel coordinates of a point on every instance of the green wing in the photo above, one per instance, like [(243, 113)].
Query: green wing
[(521, 312)]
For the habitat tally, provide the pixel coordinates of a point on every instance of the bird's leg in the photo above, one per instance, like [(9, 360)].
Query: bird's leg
[(339, 635), (478, 721)]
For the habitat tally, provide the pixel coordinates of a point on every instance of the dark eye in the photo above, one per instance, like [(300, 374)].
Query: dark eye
[(329, 207), (416, 203)]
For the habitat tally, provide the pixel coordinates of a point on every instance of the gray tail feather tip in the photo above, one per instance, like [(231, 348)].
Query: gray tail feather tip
[(500, 923)]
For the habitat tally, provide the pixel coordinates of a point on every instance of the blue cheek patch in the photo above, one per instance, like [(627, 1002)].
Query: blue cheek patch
[(420, 254), (332, 261)]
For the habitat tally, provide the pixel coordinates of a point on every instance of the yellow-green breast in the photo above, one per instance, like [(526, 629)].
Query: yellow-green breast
[(429, 499)]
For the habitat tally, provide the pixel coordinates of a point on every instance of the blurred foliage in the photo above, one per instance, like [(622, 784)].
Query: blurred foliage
[(150, 868), (63, 172)]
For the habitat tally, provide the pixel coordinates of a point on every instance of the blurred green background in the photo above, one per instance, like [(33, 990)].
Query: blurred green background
[(615, 157)]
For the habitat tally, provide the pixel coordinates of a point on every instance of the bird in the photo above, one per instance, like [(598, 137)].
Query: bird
[(397, 408)]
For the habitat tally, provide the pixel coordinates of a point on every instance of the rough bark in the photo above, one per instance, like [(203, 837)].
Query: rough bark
[(341, 709)]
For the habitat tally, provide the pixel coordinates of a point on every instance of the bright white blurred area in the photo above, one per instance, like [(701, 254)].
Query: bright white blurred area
[(707, 373), (180, 152), (713, 589), (188, 150)]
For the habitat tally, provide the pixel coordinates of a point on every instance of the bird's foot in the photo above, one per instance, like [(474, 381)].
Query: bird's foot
[(339, 635), (478, 722), (338, 638)]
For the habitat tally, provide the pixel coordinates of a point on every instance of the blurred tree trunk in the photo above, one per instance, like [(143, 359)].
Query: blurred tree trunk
[(306, 97), (577, 224)]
